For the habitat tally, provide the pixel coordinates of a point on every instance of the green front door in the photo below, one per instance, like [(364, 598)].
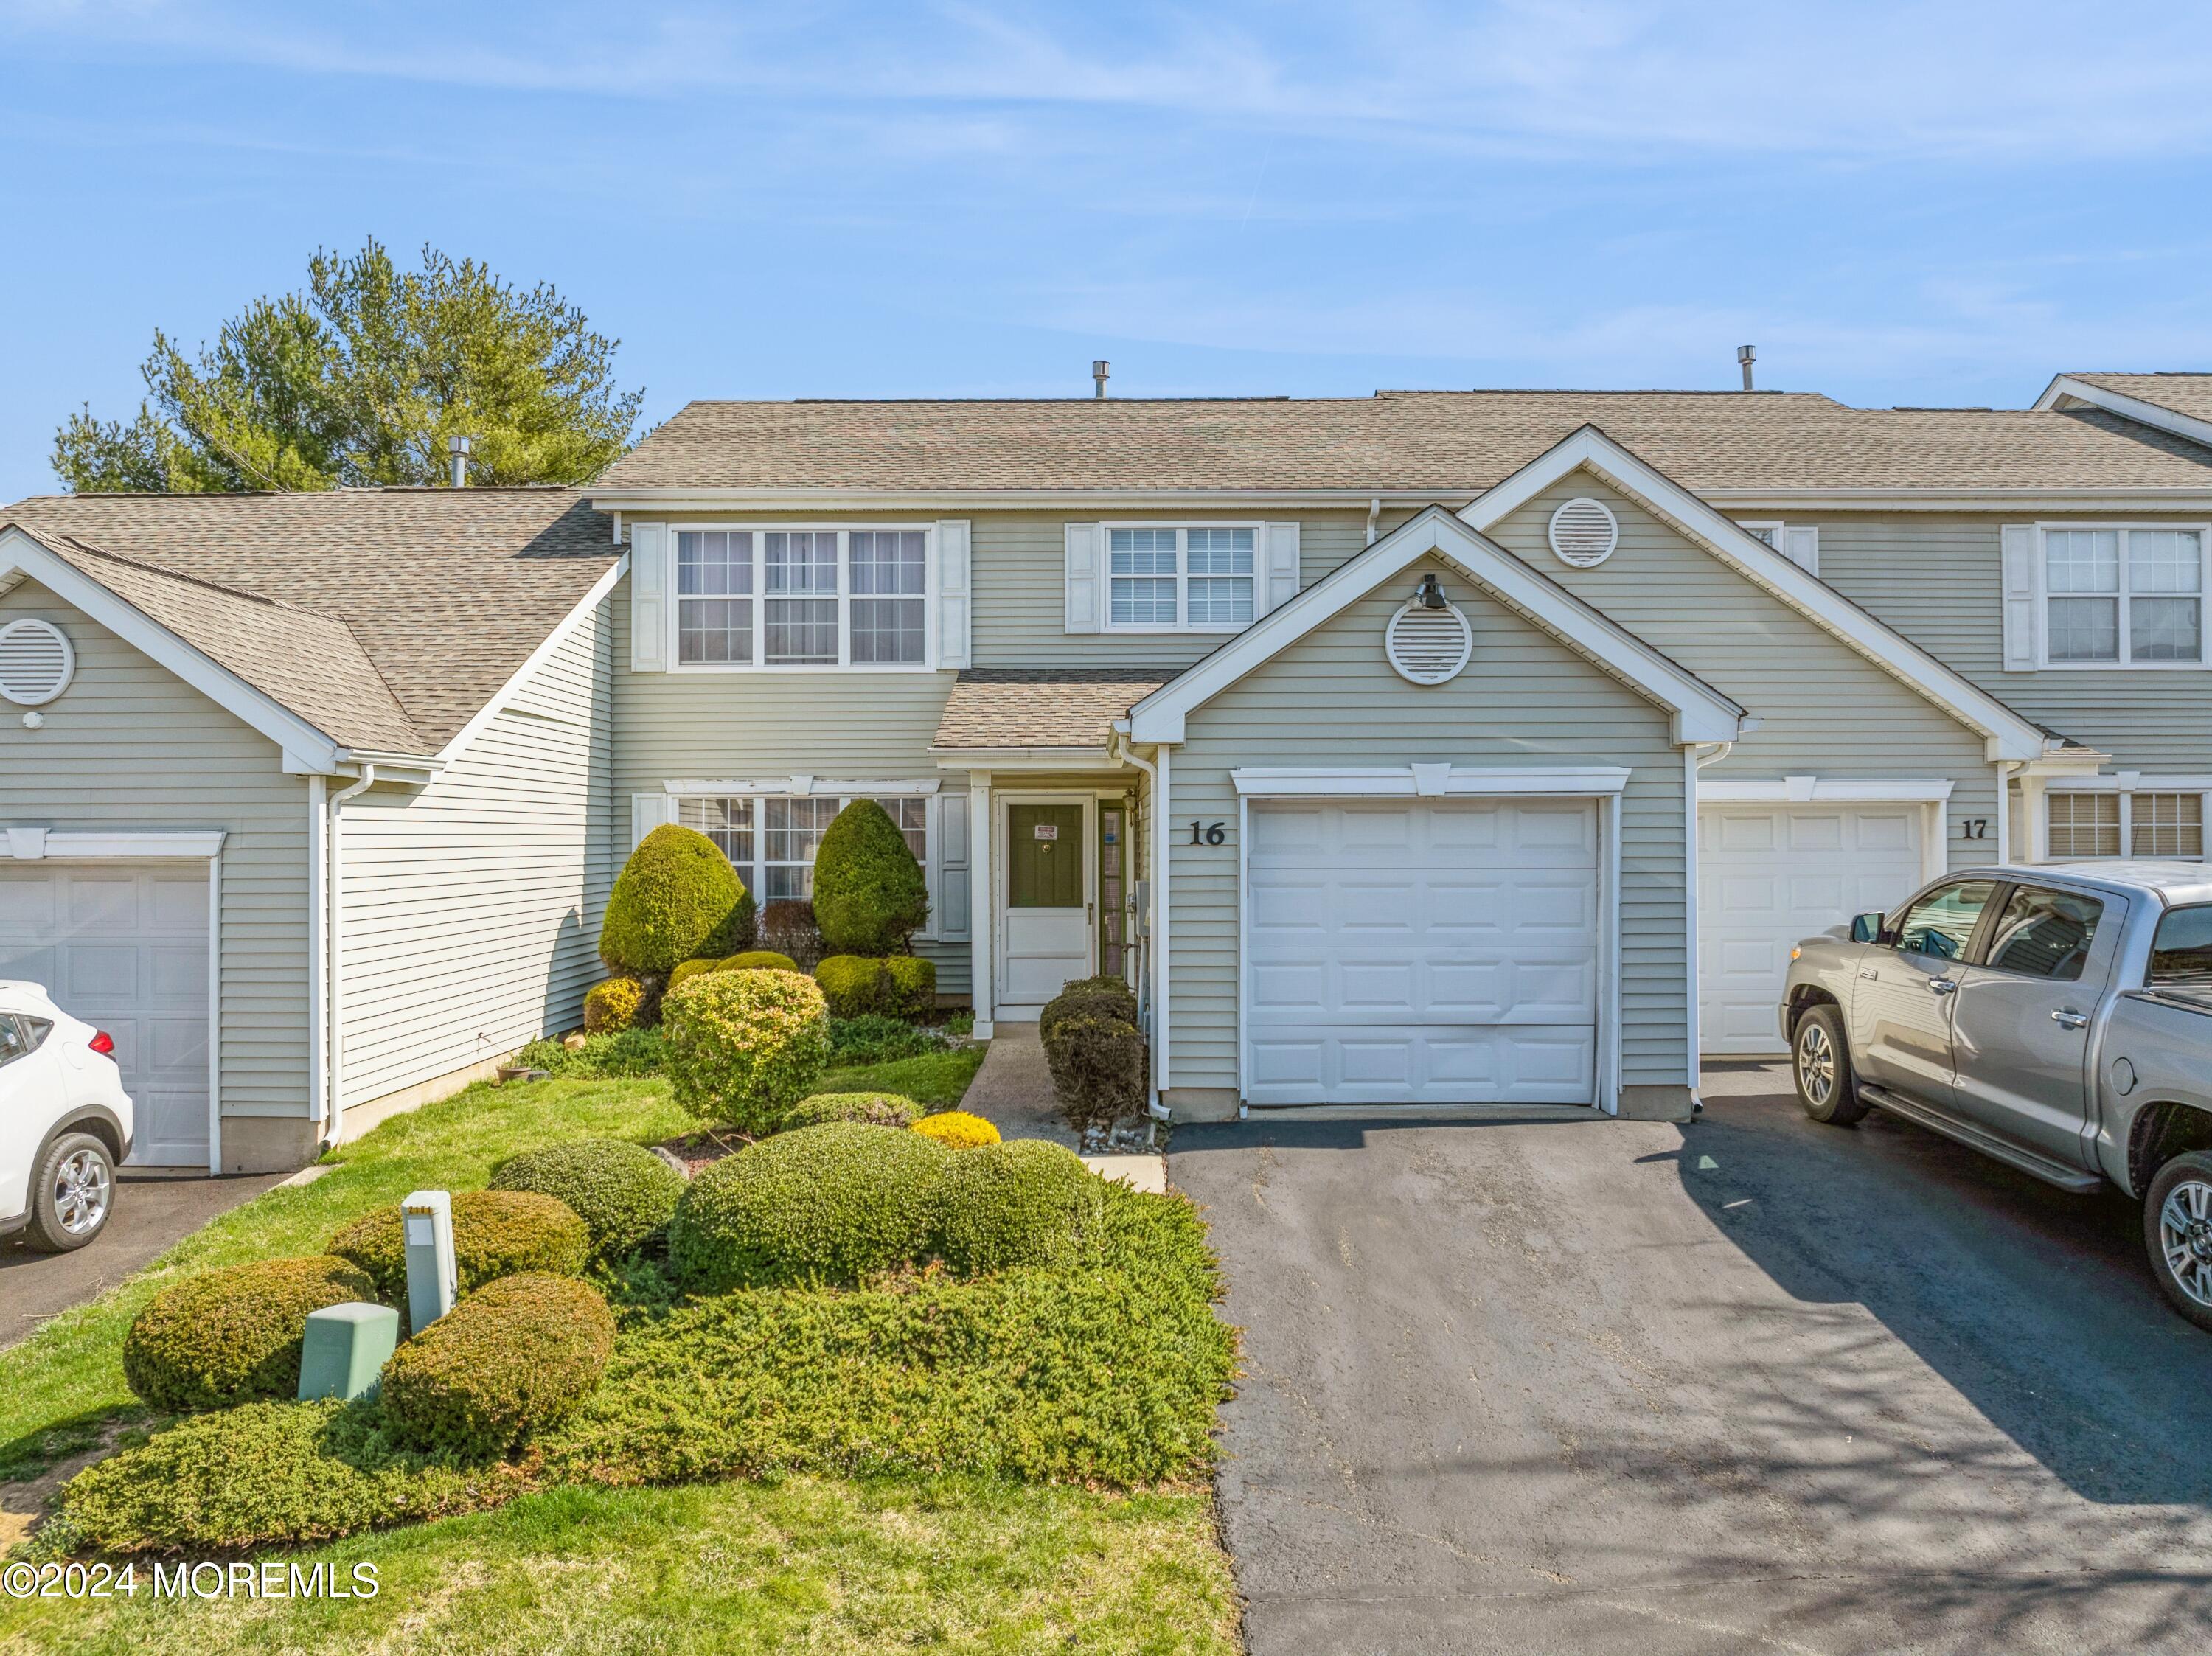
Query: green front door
[(1044, 856)]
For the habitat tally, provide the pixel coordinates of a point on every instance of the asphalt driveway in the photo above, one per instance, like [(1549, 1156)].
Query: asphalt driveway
[(1754, 1384)]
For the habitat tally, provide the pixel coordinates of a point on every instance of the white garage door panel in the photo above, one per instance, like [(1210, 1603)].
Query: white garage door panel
[(1771, 875), (1414, 952), (125, 950)]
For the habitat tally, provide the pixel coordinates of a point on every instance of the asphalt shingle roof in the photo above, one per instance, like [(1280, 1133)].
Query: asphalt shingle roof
[(385, 618), (1453, 443), (995, 707), (2185, 393)]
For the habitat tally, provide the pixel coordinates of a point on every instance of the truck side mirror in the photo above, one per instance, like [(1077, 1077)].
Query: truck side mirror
[(1866, 928)]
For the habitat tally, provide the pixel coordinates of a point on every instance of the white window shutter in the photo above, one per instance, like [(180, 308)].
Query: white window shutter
[(952, 592), (1802, 548), (1085, 544), (1281, 584), (2023, 598), (953, 865), (648, 598), (648, 811)]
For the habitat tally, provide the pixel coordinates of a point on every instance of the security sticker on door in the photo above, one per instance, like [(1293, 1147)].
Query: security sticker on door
[(1047, 830)]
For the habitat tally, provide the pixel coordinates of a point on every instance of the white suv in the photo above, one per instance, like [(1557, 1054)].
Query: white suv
[(64, 1122)]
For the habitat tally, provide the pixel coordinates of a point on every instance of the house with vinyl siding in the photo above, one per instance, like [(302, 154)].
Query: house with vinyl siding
[(1424, 748)]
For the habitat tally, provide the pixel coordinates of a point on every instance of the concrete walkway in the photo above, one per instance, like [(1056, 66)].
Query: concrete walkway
[(1013, 1092)]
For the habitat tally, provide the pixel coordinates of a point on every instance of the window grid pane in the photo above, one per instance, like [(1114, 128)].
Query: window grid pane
[(728, 822), (2167, 824), (2165, 629), (2085, 629), (2163, 561), (791, 833), (889, 630), (912, 816), (2084, 824), (712, 623), (2082, 559)]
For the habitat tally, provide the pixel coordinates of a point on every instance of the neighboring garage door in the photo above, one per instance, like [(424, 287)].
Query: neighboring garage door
[(125, 947), (1769, 875), (1403, 953)]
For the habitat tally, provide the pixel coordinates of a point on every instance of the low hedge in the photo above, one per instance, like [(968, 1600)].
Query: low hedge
[(622, 1193), (875, 1038), (1030, 1202), (854, 986), (687, 970), (909, 984), (613, 1005), (631, 1053), (759, 959), (227, 1336), (506, 1362), (957, 1129), (745, 1046), (496, 1232), (873, 1109), (826, 1204)]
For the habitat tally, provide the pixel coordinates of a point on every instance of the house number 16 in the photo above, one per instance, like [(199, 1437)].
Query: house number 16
[(1214, 833)]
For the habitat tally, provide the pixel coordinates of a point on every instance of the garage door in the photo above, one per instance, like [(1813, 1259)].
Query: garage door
[(1401, 953), (125, 948), (1769, 875)]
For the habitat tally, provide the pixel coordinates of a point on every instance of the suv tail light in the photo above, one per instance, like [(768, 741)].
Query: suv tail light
[(101, 1042)]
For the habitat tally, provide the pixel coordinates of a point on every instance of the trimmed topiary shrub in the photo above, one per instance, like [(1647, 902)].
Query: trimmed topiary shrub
[(823, 1205), (788, 923), (613, 1005), (910, 985), (622, 1193), (686, 970), (870, 895), (743, 1046), (227, 1336), (676, 899), (957, 1129), (1028, 1202), (496, 1232), (874, 1037), (872, 1109), (1088, 998), (854, 986), (519, 1355), (1098, 1068), (759, 959)]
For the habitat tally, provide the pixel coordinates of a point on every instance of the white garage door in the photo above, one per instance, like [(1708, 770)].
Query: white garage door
[(1769, 875), (125, 948), (1402, 953)]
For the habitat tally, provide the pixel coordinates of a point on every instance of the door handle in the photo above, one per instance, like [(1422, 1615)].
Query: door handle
[(1868, 972), (2067, 1018), (1942, 986)]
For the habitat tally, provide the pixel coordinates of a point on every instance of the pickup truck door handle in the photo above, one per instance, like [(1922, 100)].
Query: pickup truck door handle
[(1868, 972), (2067, 1018), (1942, 986)]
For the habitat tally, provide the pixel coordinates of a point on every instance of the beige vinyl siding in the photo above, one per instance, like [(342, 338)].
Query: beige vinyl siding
[(131, 746), (1825, 710), (1937, 578), (472, 905), (1332, 699)]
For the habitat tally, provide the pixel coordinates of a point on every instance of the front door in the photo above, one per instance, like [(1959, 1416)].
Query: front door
[(1045, 913)]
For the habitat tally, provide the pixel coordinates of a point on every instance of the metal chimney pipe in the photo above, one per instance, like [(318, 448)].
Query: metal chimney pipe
[(1099, 370), (1745, 357), (457, 447)]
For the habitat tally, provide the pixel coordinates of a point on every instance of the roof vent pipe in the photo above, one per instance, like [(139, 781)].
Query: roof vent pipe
[(1745, 357), (1099, 370), (457, 447)]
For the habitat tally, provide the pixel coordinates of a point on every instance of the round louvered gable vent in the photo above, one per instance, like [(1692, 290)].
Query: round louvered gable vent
[(1428, 647), (1584, 532), (35, 662)]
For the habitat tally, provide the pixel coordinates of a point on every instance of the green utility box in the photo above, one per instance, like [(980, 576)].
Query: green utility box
[(345, 1350)]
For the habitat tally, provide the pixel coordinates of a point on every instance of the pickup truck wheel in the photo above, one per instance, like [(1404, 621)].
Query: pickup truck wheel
[(2177, 1229), (1821, 1064), (71, 1194)]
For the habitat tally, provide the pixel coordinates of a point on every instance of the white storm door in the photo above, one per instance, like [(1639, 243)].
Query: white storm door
[(1405, 953), (1770, 876), (1045, 895)]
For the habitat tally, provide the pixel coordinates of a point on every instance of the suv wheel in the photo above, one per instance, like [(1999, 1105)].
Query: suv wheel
[(2177, 1229), (71, 1194), (1821, 1064)]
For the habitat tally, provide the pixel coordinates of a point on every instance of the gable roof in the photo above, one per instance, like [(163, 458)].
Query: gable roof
[(2008, 735), (996, 708), (384, 618), (1701, 713), (1431, 444), (2177, 403)]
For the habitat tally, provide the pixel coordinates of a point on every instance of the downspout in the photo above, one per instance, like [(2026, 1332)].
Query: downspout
[(1374, 516), (1120, 749), (1698, 762), (334, 932), (318, 870)]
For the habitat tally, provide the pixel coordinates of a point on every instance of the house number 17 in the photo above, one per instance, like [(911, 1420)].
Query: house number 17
[(1213, 833)]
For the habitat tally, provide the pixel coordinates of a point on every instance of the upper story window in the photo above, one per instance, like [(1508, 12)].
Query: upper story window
[(2124, 596), (802, 597), (1799, 542), (1162, 577)]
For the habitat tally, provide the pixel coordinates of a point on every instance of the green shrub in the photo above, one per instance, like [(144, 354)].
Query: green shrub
[(612, 1005), (687, 970), (1088, 998), (910, 985), (676, 899), (227, 1336), (874, 1109), (268, 1474), (1027, 1202), (957, 1129), (631, 1053), (853, 985), (1098, 1067), (824, 1204), (876, 1038), (759, 959), (622, 1192), (870, 895), (496, 1232), (743, 1046), (518, 1355)]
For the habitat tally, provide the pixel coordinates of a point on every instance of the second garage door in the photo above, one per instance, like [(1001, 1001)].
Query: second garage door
[(1769, 875), (1415, 953)]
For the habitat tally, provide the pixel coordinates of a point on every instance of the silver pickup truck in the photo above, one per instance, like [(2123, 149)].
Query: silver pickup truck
[(2059, 1019)]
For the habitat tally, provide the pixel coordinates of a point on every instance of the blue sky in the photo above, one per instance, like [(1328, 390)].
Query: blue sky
[(1898, 204)]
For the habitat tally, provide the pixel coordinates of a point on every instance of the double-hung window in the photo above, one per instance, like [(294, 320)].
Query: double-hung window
[(772, 839), (2144, 821), (1196, 579), (2124, 596), (802, 597)]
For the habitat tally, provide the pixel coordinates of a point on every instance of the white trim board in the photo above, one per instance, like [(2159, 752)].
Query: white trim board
[(801, 786), (1700, 713), (1814, 790), (1429, 782), (32, 845), (2007, 735)]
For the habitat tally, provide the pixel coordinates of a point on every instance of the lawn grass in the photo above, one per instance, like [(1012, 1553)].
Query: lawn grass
[(936, 1081), (824, 1565)]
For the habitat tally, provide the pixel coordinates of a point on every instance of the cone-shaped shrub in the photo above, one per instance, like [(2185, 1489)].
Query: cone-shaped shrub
[(869, 892), (676, 899)]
